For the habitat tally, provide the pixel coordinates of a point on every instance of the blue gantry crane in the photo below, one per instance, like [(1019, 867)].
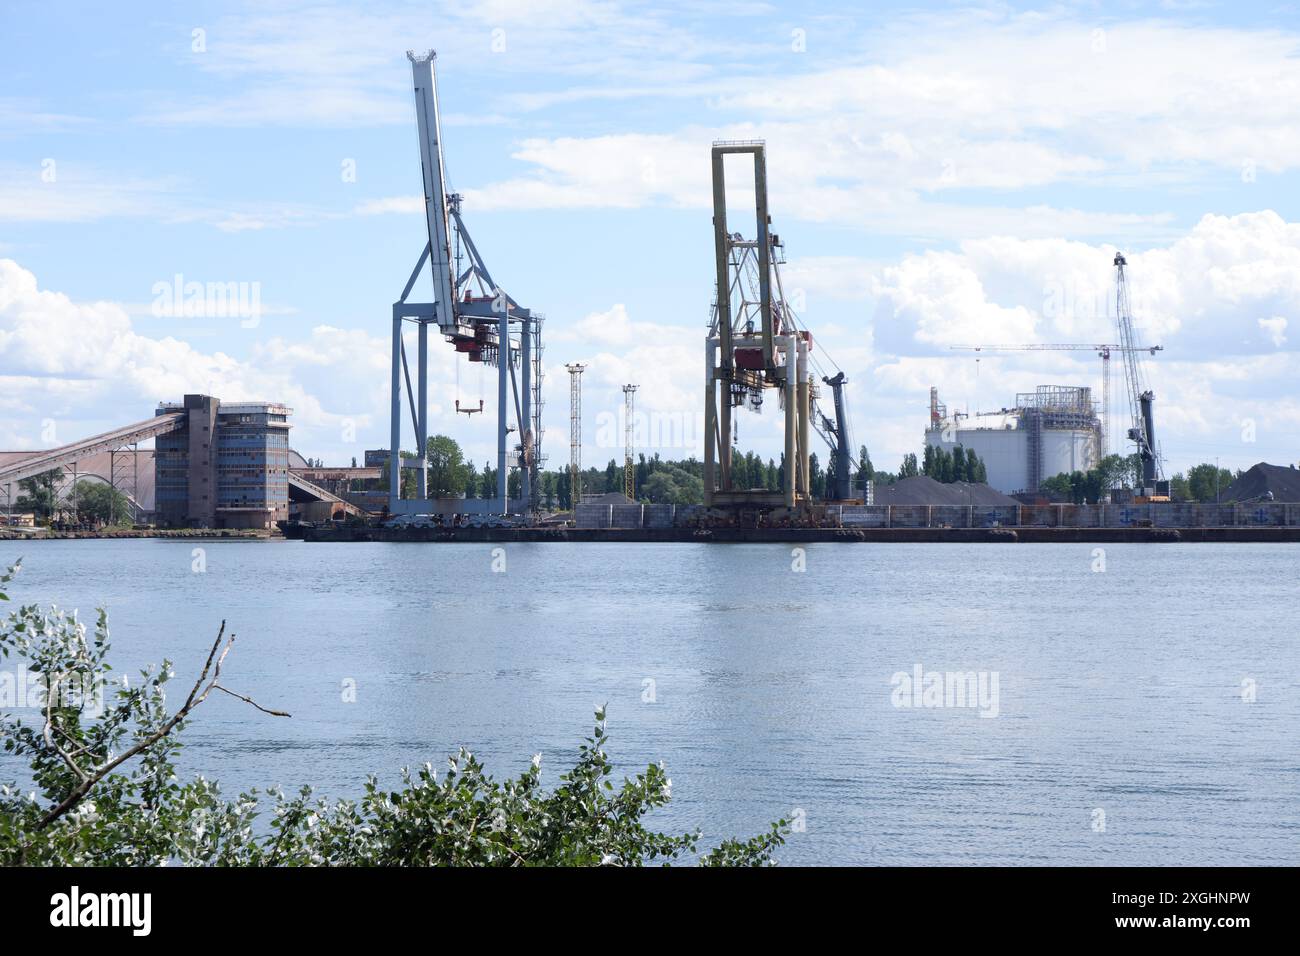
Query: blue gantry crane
[(474, 314)]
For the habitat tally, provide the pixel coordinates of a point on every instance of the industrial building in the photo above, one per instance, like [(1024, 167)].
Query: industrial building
[(225, 466), (1051, 430)]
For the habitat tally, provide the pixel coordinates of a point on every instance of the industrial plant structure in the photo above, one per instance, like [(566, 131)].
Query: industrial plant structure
[(224, 466), (1056, 428), (1051, 430)]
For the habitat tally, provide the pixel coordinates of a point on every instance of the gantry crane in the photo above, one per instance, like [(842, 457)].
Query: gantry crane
[(756, 342), (1104, 351), (743, 360), (472, 313)]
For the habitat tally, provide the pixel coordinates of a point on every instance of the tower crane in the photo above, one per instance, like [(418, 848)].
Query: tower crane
[(1103, 350)]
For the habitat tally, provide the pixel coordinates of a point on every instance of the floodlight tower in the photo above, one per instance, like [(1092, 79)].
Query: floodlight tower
[(470, 311), (575, 433), (629, 472)]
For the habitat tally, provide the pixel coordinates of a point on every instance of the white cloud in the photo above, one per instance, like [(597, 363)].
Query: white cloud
[(1201, 296), (85, 366), (994, 103), (1275, 328), (314, 64)]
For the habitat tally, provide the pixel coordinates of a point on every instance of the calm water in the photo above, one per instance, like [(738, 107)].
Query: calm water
[(1118, 691)]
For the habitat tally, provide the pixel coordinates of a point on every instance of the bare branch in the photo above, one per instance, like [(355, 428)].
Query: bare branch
[(198, 695), (249, 700)]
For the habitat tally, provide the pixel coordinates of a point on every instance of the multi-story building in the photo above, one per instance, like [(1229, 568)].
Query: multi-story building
[(227, 466)]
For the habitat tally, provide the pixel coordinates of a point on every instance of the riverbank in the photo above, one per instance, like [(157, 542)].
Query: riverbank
[(44, 534), (1026, 535)]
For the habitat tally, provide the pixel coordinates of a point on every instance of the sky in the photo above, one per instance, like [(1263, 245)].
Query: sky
[(941, 175)]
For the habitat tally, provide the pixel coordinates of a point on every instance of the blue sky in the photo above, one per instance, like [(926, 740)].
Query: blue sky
[(939, 172)]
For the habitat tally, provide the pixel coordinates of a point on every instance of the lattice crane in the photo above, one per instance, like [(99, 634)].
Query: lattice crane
[(1141, 399)]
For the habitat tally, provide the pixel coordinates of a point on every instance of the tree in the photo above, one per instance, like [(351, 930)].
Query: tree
[(740, 476), (943, 466), (866, 472), (673, 486), (40, 495), (105, 790), (816, 477), (549, 487), (908, 469), (1057, 485), (642, 471), (1179, 489), (1207, 482), (563, 492), (959, 463), (102, 503), (446, 468)]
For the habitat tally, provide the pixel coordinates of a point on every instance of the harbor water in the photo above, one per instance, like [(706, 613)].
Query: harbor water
[(1132, 704)]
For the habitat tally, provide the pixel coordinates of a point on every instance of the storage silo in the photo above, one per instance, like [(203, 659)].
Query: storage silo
[(1051, 430)]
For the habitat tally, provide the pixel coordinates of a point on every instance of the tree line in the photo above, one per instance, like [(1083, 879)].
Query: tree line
[(675, 481), (87, 501), (1205, 483)]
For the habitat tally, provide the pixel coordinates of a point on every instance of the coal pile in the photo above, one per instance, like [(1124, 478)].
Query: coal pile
[(1262, 479), (926, 491)]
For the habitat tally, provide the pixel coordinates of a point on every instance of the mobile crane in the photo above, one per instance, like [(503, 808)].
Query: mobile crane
[(1152, 486)]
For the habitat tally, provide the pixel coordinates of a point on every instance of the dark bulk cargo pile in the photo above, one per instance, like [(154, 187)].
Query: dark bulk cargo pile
[(926, 491), (1263, 480)]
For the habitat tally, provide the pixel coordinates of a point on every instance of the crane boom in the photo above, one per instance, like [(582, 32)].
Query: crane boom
[(837, 436), (435, 187), (1142, 432)]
